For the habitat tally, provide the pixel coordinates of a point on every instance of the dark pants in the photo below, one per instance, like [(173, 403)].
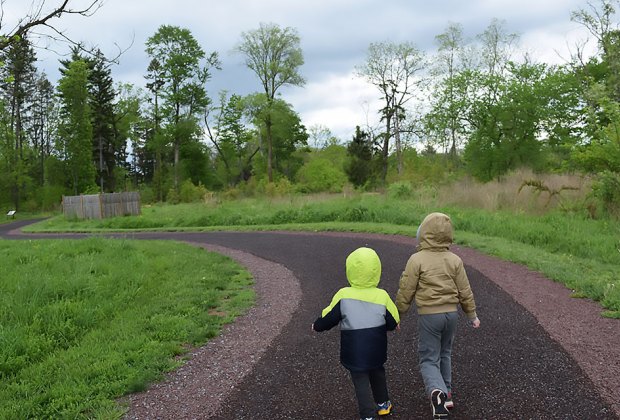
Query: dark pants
[(370, 390)]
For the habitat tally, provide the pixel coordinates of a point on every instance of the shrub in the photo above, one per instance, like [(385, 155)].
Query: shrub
[(400, 189), (277, 188), (147, 195), (358, 213), (320, 175), (190, 193), (173, 196), (51, 197), (607, 189)]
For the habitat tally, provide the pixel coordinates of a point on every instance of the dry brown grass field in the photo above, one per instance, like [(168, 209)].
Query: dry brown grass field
[(522, 191)]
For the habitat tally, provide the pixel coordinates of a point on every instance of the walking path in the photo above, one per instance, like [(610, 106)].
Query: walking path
[(539, 353)]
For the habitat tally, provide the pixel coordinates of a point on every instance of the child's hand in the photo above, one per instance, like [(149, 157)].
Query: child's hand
[(475, 322)]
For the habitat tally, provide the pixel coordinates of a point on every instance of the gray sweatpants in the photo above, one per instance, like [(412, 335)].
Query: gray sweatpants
[(436, 334)]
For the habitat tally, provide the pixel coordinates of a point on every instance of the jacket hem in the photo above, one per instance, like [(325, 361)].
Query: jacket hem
[(437, 309)]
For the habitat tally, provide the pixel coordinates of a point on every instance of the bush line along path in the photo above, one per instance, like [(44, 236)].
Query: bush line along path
[(539, 354)]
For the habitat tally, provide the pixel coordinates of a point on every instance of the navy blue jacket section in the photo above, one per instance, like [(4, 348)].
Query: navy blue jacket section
[(361, 349)]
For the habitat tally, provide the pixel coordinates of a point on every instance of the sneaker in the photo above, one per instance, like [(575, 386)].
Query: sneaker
[(384, 408), (449, 403), (438, 404), (368, 418)]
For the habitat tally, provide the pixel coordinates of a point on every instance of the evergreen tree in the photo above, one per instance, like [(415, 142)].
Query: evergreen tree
[(75, 131), (108, 149), (360, 151), (17, 89), (44, 122)]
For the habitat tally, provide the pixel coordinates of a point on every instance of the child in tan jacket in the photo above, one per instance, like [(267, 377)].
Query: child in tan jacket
[(435, 278)]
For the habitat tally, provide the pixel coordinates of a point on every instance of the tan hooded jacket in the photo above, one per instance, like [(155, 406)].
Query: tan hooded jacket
[(434, 276)]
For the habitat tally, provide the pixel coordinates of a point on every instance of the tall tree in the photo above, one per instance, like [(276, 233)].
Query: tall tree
[(274, 55), (287, 132), (44, 120), (154, 138), (599, 150), (231, 139), (184, 70), (536, 107), (321, 137), (449, 93), (395, 69), (497, 48), (17, 85), (75, 130), (107, 147), (289, 136), (129, 126)]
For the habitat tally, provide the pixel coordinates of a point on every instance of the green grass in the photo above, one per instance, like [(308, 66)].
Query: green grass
[(83, 322), (583, 254), (22, 215)]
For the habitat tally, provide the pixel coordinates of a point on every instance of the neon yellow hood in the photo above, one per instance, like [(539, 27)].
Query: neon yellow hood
[(363, 268)]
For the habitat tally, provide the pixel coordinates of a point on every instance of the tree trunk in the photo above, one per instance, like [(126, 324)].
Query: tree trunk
[(386, 148), (177, 146), (399, 149), (100, 144), (176, 165), (269, 150)]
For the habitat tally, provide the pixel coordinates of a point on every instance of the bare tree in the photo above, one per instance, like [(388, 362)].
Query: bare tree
[(42, 15), (394, 69), (598, 20)]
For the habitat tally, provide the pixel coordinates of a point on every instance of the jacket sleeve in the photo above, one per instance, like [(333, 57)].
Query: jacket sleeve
[(407, 286), (390, 322), (392, 317), (329, 320), (466, 295)]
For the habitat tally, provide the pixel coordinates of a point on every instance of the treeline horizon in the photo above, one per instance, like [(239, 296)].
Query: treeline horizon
[(470, 108)]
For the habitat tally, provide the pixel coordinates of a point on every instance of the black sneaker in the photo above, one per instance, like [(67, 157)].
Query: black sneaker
[(438, 404)]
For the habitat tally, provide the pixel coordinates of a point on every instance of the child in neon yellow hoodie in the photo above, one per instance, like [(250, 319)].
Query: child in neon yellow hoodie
[(365, 313)]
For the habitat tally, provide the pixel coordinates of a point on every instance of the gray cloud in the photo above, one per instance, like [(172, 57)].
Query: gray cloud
[(335, 35)]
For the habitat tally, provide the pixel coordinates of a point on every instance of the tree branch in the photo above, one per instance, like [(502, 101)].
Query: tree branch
[(39, 19)]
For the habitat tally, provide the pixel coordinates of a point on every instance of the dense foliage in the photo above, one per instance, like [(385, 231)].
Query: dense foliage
[(471, 107)]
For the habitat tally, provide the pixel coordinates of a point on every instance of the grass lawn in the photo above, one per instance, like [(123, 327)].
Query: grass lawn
[(83, 322), (581, 253)]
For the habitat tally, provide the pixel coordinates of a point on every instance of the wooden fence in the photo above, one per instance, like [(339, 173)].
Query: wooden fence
[(99, 206)]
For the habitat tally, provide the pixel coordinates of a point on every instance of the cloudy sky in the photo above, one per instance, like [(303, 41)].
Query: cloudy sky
[(335, 35)]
